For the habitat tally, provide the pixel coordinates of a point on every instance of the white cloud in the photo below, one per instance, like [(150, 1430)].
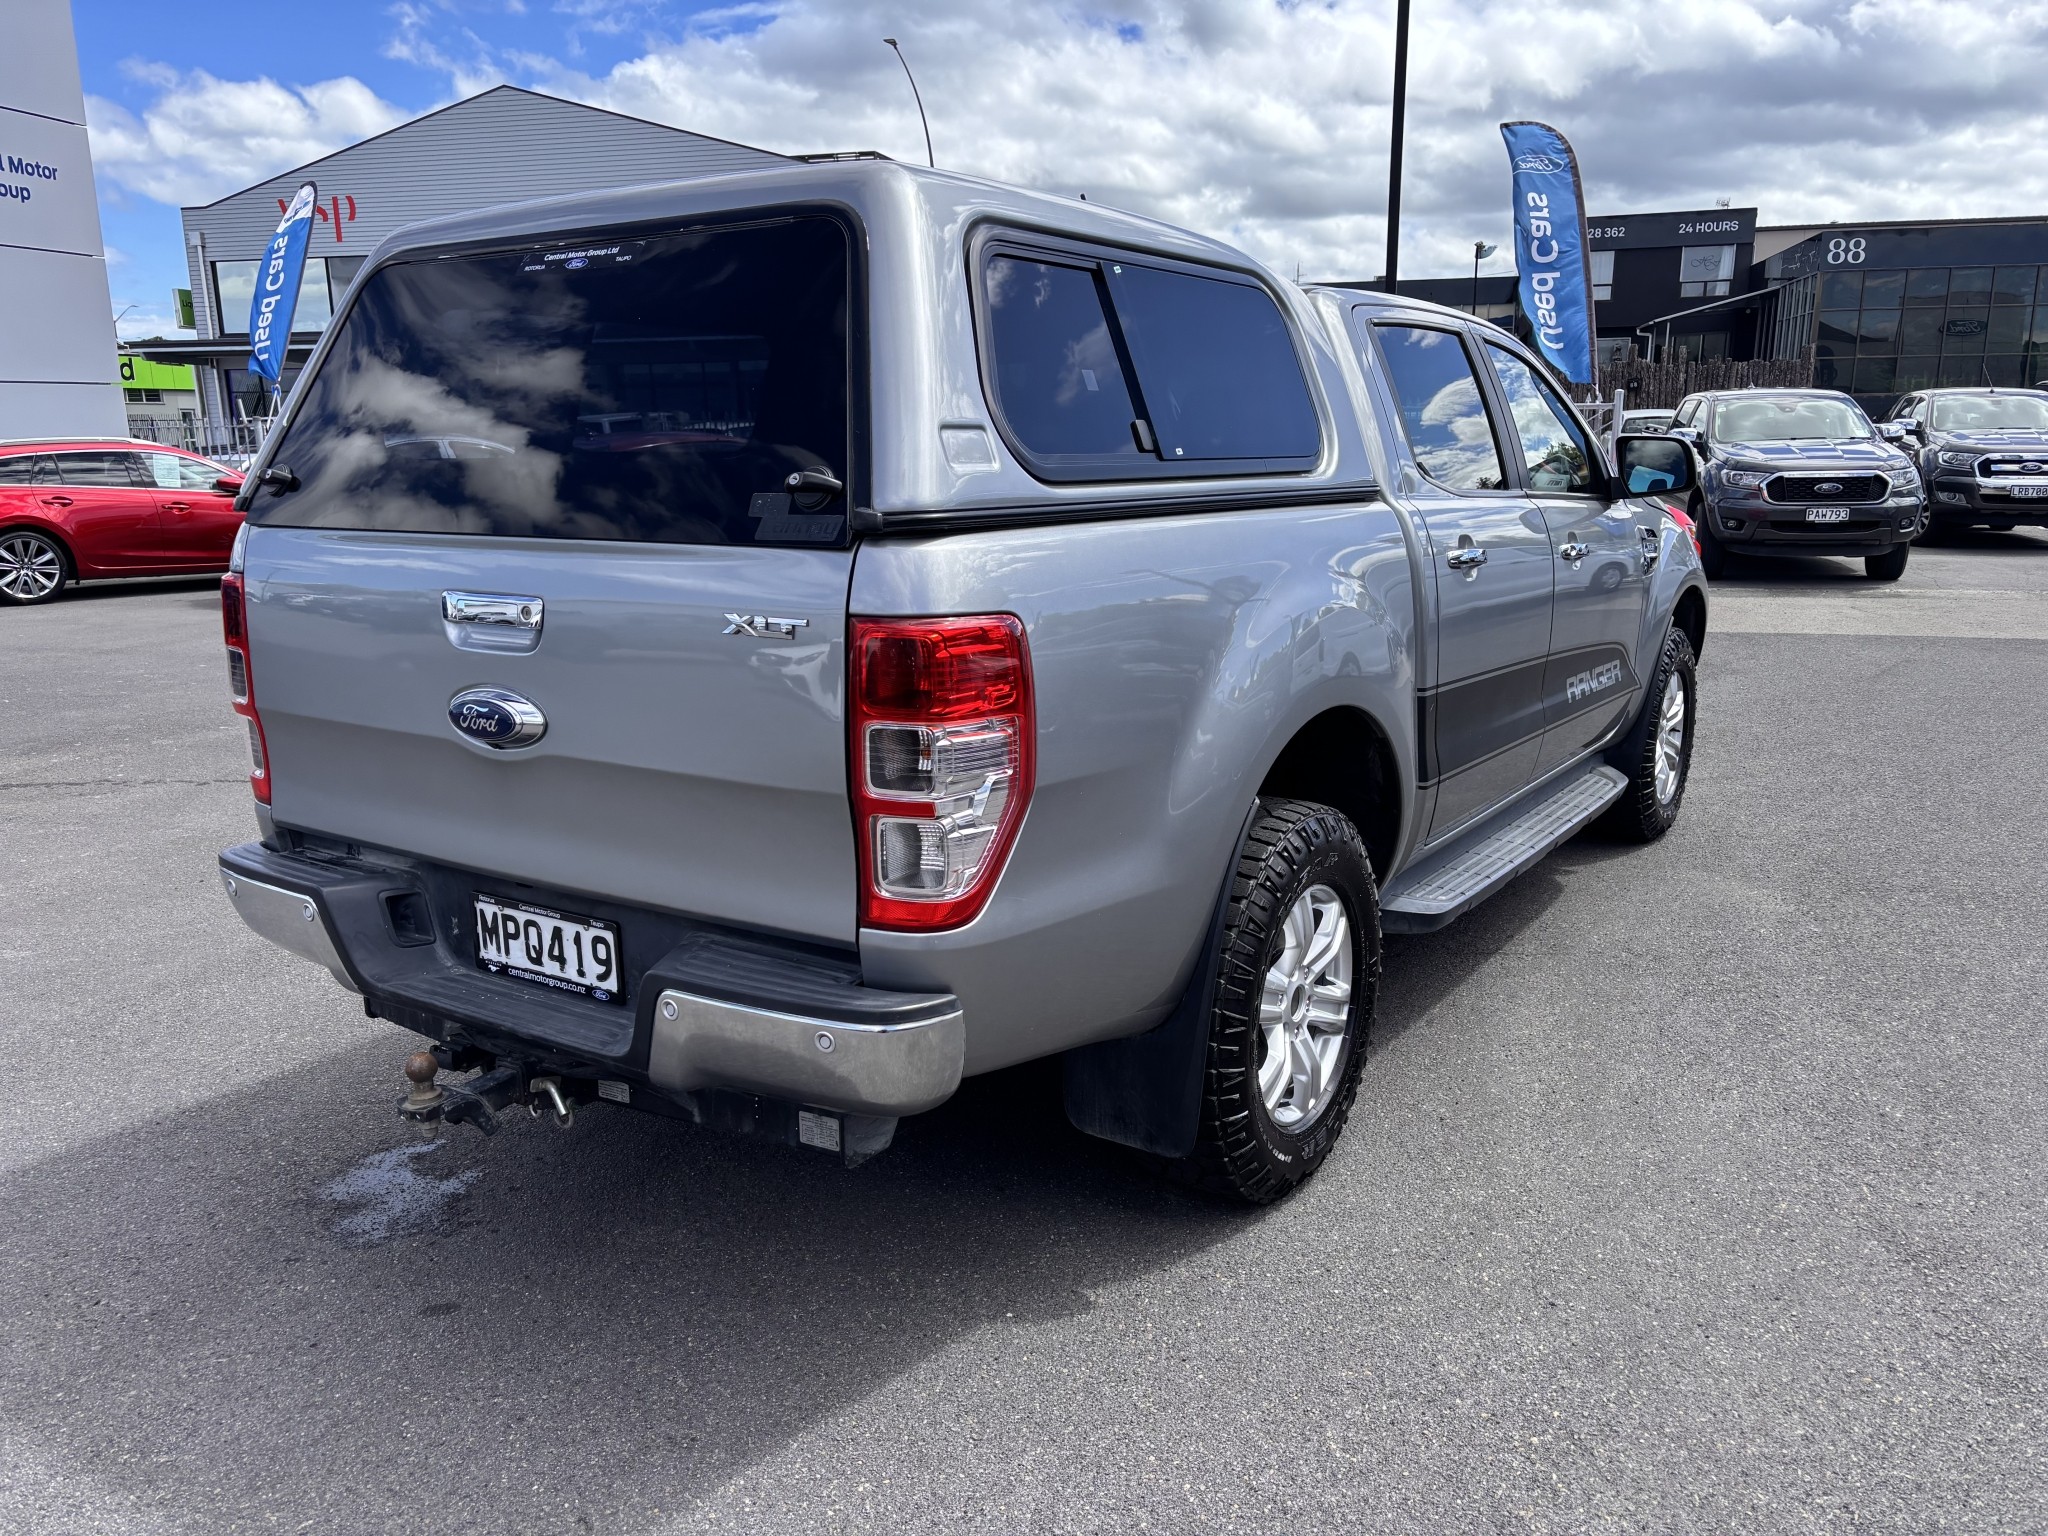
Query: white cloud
[(1267, 123), (203, 137), (1263, 121)]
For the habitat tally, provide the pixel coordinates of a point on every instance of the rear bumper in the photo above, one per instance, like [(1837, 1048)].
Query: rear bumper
[(714, 1010)]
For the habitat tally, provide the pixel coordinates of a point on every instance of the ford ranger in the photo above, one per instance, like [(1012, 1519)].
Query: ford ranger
[(1983, 454), (1798, 472), (759, 649)]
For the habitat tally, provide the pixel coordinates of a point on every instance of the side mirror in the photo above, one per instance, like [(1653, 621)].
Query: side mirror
[(1898, 431), (1684, 434), (227, 485), (1654, 466)]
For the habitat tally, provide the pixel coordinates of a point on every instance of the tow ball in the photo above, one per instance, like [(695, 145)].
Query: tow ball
[(481, 1099)]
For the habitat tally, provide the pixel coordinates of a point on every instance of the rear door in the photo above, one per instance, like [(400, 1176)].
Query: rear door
[(1602, 579), (197, 523), (106, 501), (558, 472), (1490, 552)]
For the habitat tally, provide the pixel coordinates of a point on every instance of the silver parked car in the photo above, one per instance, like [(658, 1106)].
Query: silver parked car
[(987, 627)]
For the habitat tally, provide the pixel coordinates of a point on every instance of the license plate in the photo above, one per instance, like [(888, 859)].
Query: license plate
[(551, 949), (2028, 492), (1827, 514)]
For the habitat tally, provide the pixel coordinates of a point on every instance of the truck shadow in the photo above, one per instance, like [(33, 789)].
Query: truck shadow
[(231, 1315)]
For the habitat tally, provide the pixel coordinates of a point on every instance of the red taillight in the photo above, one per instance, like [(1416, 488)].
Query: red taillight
[(942, 763), (235, 630), (1685, 522)]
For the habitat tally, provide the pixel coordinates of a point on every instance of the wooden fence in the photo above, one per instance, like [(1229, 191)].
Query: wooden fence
[(1661, 385)]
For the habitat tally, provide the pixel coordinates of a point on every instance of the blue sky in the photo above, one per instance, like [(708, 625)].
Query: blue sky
[(414, 57), (1263, 122)]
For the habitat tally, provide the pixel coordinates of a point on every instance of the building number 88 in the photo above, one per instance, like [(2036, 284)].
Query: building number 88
[(1849, 251)]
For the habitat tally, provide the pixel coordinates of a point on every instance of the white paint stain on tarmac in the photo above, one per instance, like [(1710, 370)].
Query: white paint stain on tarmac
[(392, 1198)]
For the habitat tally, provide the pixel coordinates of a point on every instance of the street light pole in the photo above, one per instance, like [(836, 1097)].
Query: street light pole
[(1394, 158), (918, 96), (1480, 251)]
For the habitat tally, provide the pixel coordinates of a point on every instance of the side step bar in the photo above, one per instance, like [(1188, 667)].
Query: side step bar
[(1444, 885)]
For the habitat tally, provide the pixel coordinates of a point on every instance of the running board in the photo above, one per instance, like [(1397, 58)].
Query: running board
[(1445, 885)]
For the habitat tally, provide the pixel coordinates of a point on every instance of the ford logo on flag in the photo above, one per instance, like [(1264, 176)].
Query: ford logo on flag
[(1542, 164), (496, 718)]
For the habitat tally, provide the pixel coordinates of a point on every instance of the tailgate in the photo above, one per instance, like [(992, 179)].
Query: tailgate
[(682, 767)]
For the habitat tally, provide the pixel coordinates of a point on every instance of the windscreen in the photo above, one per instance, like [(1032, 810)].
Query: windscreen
[(1989, 413), (658, 390), (1782, 420)]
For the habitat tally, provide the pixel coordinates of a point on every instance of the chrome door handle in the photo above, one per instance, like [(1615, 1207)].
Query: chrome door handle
[(1574, 552), (491, 608), (1465, 559)]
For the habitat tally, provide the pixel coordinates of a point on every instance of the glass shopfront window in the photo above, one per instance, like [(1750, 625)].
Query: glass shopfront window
[(1880, 333)]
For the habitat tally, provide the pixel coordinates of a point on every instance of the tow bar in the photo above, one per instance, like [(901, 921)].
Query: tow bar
[(479, 1101)]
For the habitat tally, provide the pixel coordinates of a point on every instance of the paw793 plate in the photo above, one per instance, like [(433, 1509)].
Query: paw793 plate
[(1827, 514)]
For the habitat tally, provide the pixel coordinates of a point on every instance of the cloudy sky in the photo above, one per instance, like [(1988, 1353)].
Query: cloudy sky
[(1262, 121)]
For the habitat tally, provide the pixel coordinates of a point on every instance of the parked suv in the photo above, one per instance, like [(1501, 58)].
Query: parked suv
[(1010, 628), (82, 509), (1798, 472), (1983, 454)]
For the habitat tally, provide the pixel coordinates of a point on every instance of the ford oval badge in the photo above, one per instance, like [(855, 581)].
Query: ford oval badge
[(1828, 488), (497, 718)]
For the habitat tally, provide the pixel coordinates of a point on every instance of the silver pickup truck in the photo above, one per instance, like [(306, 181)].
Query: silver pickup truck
[(759, 649)]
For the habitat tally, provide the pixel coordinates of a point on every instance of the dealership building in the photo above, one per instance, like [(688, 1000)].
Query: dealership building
[(504, 145), (1880, 308)]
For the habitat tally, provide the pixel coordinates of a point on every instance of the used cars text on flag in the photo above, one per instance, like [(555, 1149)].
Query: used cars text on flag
[(277, 287), (1550, 247)]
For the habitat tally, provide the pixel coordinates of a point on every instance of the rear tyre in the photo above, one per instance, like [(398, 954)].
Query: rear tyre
[(1890, 565), (1713, 553), (33, 568), (1297, 972), (1657, 752)]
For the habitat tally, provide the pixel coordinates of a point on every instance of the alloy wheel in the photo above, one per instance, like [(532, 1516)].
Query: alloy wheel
[(1304, 1009), (31, 567), (1670, 738)]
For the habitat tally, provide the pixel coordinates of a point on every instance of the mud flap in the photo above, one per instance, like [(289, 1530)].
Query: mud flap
[(1145, 1091)]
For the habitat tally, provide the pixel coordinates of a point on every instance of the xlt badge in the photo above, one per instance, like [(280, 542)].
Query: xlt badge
[(761, 627)]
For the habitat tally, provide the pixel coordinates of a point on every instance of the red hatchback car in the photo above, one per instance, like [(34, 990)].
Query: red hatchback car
[(90, 508)]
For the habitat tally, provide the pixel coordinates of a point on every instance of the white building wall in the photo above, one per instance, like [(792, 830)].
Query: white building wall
[(56, 318)]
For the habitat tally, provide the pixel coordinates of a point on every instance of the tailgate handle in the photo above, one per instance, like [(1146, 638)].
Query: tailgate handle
[(491, 608)]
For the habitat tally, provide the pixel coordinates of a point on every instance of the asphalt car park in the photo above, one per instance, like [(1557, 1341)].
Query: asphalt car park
[(1696, 1188)]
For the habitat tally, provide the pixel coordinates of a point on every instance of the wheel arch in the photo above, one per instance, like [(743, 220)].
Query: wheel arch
[(1345, 759), (1689, 613)]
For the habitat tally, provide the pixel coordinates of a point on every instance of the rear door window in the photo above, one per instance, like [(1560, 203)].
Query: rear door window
[(101, 468), (1443, 410), (658, 390), (1102, 368)]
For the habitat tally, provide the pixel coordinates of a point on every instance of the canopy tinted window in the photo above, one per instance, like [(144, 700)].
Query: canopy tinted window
[(657, 390)]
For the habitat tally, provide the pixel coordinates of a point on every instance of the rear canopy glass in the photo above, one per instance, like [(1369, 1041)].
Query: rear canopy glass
[(1103, 368), (657, 390)]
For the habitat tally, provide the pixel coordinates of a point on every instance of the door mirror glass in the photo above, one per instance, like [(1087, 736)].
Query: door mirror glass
[(1895, 431), (1654, 466)]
